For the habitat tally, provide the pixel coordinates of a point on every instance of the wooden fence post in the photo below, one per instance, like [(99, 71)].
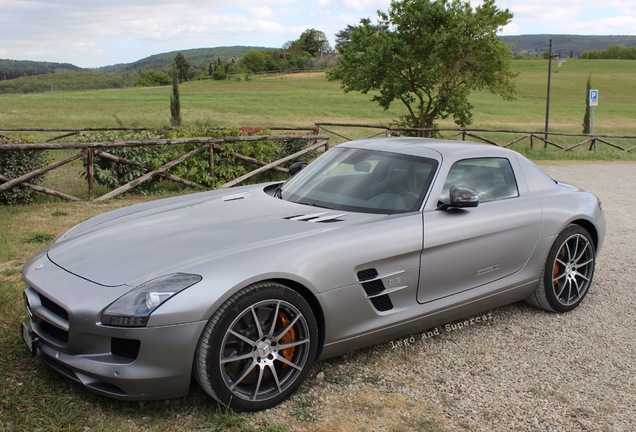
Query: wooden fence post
[(211, 164), (90, 172)]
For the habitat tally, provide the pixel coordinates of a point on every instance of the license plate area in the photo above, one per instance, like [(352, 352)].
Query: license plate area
[(29, 338)]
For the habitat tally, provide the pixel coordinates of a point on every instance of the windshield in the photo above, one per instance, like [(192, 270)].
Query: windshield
[(362, 180)]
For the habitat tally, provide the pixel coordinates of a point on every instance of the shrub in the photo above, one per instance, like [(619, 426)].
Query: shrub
[(15, 163), (196, 169), (113, 174), (226, 166), (152, 78)]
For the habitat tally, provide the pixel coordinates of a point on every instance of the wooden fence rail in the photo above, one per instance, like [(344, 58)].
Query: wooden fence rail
[(90, 150), (69, 132), (478, 134)]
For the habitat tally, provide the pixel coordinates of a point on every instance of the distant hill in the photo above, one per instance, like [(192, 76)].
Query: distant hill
[(566, 45), (198, 56), (11, 69), (21, 76), (78, 80)]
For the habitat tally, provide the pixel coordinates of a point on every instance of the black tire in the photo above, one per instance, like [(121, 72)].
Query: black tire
[(568, 271), (257, 348)]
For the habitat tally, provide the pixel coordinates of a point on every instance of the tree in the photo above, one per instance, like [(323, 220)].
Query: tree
[(586, 117), (254, 61), (314, 42), (175, 102), (152, 78), (183, 67), (429, 55)]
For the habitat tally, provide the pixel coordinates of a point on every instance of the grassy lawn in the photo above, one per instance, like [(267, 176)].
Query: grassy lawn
[(303, 99)]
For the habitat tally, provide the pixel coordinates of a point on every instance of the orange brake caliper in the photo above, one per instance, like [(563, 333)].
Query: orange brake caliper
[(288, 337)]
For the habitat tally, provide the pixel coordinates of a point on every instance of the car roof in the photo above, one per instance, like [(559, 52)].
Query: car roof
[(451, 151), (430, 147)]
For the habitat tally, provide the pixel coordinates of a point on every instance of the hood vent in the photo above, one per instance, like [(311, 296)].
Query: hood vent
[(324, 217), (237, 196)]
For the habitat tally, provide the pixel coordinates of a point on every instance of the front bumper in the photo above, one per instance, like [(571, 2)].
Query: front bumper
[(124, 363)]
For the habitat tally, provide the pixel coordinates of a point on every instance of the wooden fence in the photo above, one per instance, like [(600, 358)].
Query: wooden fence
[(532, 139), (92, 150), (211, 145)]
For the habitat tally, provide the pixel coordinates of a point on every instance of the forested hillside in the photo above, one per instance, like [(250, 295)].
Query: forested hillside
[(199, 56), (566, 45), (10, 69)]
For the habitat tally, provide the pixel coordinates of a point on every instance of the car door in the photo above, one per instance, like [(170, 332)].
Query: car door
[(467, 248)]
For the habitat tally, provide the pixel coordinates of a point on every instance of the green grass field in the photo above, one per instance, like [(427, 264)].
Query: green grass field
[(302, 100)]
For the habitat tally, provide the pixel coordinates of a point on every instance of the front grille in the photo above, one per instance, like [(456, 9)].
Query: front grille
[(126, 348), (53, 307), (53, 331), (50, 320)]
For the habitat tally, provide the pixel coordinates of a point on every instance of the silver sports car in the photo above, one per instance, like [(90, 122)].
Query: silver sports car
[(245, 289)]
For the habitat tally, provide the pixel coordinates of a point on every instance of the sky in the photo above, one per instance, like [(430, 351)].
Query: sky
[(94, 33)]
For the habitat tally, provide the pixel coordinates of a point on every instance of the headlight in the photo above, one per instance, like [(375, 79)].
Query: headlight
[(134, 308)]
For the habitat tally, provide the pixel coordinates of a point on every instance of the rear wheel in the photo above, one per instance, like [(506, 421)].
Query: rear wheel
[(568, 272), (257, 348)]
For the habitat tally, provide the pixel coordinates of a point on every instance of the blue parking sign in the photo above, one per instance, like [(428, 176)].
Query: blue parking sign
[(593, 97)]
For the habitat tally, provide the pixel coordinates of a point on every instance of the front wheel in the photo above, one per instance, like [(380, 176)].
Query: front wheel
[(568, 272), (257, 348)]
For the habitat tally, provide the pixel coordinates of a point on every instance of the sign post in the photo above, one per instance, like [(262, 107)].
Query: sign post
[(592, 102)]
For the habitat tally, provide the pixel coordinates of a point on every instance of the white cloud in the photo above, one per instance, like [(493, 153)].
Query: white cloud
[(262, 12), (90, 33)]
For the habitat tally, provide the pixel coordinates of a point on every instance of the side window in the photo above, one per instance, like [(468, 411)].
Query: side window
[(491, 178)]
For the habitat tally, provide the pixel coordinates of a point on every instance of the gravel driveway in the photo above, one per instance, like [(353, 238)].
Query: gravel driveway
[(517, 369)]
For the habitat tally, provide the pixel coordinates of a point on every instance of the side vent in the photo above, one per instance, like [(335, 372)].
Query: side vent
[(375, 289), (324, 217)]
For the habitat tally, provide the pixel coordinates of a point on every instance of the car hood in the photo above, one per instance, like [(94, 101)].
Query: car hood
[(141, 243)]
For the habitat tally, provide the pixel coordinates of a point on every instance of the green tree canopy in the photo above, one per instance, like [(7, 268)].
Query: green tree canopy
[(254, 61), (429, 55), (152, 78), (262, 60), (314, 42), (183, 67)]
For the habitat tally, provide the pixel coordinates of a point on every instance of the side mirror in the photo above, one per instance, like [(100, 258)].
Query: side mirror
[(296, 167), (461, 197)]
